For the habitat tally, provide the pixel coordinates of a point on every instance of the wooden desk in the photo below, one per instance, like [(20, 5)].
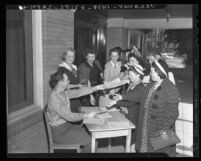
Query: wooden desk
[(105, 131)]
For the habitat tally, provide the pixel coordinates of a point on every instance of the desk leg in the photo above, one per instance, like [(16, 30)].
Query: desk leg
[(109, 144), (93, 144), (128, 141)]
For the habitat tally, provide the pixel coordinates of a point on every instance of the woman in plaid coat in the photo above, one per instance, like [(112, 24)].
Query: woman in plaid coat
[(158, 109)]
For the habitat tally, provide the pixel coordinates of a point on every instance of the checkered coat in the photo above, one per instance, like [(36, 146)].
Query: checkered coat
[(163, 112)]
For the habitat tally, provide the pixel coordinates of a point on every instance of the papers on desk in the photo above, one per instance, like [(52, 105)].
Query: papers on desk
[(103, 116), (98, 119), (89, 109), (109, 110)]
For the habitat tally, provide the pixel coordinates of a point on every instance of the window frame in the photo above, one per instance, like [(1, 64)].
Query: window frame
[(37, 73), (27, 27)]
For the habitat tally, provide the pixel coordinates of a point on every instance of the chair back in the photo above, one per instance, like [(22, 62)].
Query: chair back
[(48, 130)]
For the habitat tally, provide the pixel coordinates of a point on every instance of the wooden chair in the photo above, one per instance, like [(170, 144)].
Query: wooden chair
[(51, 145)]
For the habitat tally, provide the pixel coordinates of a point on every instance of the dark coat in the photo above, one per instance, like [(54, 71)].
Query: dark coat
[(163, 112), (132, 106), (85, 73)]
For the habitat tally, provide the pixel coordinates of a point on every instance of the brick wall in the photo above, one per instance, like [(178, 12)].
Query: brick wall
[(58, 34), (116, 36), (28, 135)]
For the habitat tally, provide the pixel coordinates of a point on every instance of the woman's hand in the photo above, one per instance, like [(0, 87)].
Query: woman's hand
[(117, 97), (112, 92), (92, 100), (124, 110), (164, 135), (111, 103), (81, 85)]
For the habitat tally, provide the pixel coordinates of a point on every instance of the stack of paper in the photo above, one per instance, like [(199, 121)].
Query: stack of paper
[(103, 116)]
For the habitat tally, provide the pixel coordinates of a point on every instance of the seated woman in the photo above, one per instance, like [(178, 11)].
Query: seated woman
[(59, 112), (126, 100), (158, 110)]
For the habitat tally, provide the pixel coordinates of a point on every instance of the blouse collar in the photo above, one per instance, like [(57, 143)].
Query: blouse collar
[(113, 64), (65, 65)]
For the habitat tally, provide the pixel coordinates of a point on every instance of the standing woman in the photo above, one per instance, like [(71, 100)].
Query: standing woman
[(132, 60), (70, 69), (90, 74), (159, 109), (126, 100), (113, 67), (159, 102), (111, 72)]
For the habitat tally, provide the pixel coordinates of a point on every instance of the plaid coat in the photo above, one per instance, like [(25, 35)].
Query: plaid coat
[(163, 112)]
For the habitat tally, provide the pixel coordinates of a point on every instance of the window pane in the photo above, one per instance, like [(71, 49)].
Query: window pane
[(19, 60)]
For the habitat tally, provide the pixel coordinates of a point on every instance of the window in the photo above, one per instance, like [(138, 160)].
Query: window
[(19, 59)]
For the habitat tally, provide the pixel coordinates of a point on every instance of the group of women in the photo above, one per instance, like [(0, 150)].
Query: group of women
[(150, 100)]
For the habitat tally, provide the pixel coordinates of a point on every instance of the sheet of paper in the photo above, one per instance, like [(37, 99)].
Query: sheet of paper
[(109, 110), (89, 109), (103, 116), (115, 83)]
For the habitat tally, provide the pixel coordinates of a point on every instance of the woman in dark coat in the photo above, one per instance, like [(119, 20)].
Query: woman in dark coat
[(70, 69), (135, 74), (158, 109)]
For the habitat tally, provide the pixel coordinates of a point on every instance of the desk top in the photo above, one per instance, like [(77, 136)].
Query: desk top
[(117, 119)]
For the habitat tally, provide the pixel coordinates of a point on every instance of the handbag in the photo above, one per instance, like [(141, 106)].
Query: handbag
[(158, 142)]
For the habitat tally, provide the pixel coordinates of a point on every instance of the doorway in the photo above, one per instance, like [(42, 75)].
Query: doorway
[(90, 32)]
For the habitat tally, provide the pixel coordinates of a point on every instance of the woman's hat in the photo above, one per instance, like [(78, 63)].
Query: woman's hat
[(139, 69), (161, 64)]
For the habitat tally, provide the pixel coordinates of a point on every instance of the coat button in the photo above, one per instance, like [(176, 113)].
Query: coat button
[(156, 97), (153, 116), (154, 106)]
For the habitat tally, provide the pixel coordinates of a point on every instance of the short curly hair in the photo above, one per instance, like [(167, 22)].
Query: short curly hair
[(115, 49), (66, 52), (139, 59), (90, 51), (55, 78)]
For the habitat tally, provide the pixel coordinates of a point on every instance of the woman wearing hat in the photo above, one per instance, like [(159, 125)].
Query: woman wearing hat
[(135, 75), (158, 109)]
